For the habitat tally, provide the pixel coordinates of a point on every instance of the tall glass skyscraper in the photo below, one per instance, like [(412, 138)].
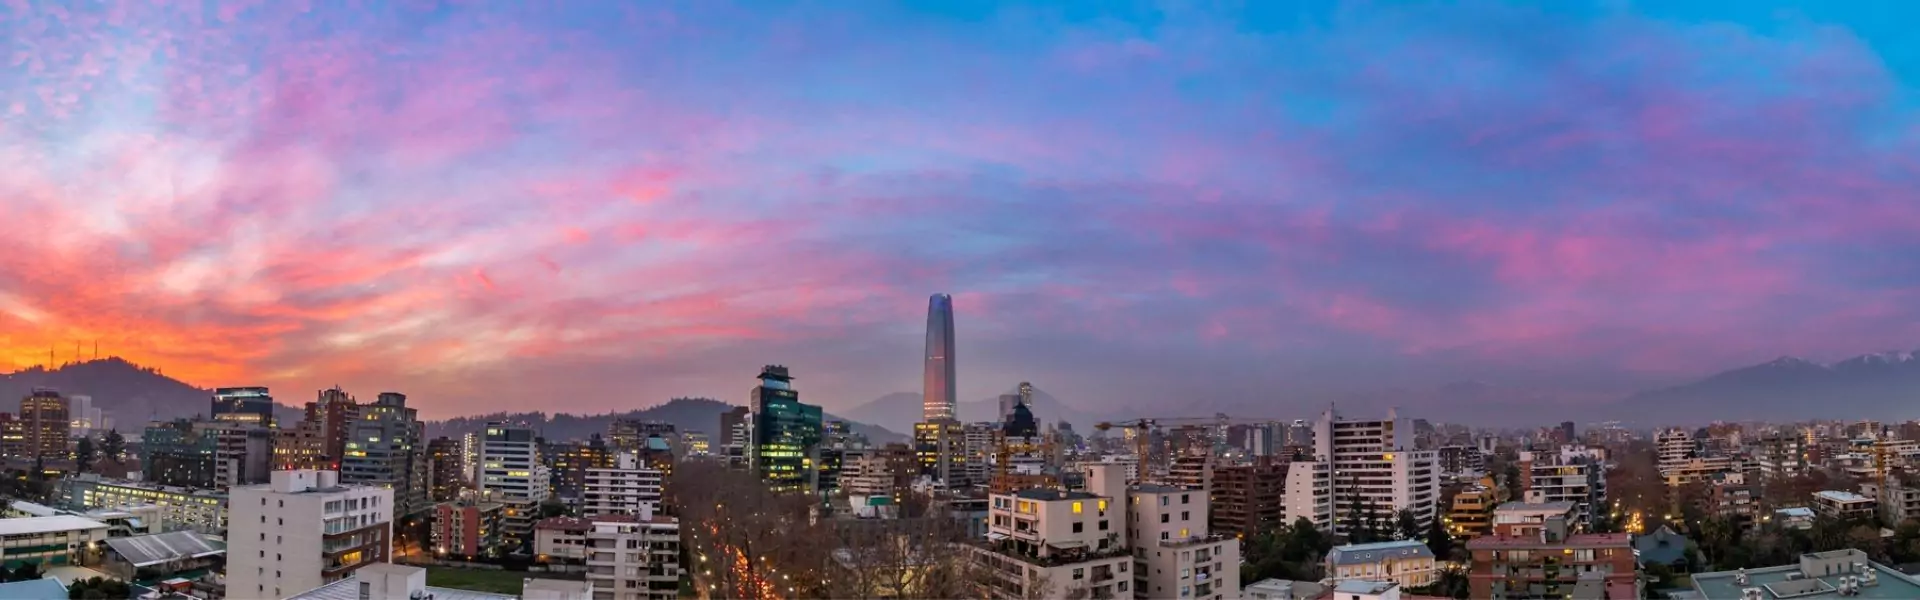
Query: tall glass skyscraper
[(786, 434), (938, 397)]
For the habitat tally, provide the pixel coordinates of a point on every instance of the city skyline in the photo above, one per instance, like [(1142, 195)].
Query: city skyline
[(615, 205)]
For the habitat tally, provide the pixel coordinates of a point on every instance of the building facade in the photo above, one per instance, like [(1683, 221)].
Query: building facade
[(786, 434), (201, 510), (1249, 499), (1377, 467), (624, 488), (512, 473), (938, 399), (244, 405), (467, 527), (1406, 562), (387, 448), (1175, 554), (446, 470), (45, 424), (302, 531), (634, 557), (1534, 554), (53, 540)]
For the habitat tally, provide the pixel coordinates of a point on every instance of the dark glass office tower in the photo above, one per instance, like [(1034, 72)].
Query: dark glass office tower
[(251, 405), (786, 434), (938, 397)]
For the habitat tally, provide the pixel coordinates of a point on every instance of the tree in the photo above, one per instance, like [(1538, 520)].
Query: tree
[(1406, 525), (83, 455), (1438, 540), (99, 589), (113, 445)]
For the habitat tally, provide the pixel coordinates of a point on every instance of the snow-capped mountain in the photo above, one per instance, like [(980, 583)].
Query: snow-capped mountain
[(1882, 385)]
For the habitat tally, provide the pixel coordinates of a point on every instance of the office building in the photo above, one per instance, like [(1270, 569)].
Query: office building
[(53, 540), (387, 448), (1050, 543), (45, 424), (1462, 462), (736, 435), (319, 441), (245, 405), (1175, 555), (625, 487), (697, 443), (470, 456), (87, 418), (242, 452), (941, 447), (446, 474), (938, 397), (1249, 499), (1376, 466), (178, 453), (786, 434), (631, 435), (568, 462), (512, 473), (1406, 562), (1533, 553), (302, 531), (13, 435), (467, 526), (172, 508)]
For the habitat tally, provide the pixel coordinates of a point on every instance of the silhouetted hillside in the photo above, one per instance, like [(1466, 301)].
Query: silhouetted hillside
[(686, 414), (1873, 386), (130, 394)]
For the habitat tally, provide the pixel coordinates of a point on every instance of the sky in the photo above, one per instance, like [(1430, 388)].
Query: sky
[(598, 206)]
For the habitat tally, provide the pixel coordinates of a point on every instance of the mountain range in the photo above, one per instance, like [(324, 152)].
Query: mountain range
[(900, 410), (1883, 386), (686, 414)]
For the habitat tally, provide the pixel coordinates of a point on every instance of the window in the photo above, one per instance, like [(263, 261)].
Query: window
[(1184, 515), (1078, 526), (1163, 500), (1123, 584), (1079, 574), (1103, 524), (1076, 507), (1103, 505), (1184, 498), (1163, 535), (1164, 517), (1183, 533)]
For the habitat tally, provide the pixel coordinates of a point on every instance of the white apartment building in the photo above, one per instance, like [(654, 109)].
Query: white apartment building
[(1047, 543), (1377, 464), (634, 557), (625, 489), (1309, 494), (512, 473), (302, 531), (1174, 555)]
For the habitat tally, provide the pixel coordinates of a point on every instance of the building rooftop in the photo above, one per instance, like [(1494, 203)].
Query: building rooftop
[(1155, 488), (1588, 540), (1797, 511), (1356, 586), (1791, 581), (33, 589), (349, 589), (1535, 507), (1841, 496), (1053, 494), (1357, 554), (556, 586), (31, 525), (33, 509), (146, 550), (1663, 546)]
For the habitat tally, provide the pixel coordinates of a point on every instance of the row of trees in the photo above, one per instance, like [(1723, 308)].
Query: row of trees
[(112, 446)]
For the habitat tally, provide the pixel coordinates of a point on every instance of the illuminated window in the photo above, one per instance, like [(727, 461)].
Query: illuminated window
[(1076, 508), (1103, 506)]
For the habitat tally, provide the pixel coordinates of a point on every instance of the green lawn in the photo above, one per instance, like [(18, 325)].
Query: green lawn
[(478, 580)]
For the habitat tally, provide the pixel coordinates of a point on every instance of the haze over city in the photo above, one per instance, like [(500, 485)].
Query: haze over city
[(599, 207)]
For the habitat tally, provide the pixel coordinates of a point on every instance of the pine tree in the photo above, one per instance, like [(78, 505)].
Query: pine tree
[(1438, 540), (1406, 525), (113, 445), (83, 455)]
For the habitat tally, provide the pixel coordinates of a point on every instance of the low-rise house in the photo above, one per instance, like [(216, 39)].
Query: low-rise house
[(1406, 562)]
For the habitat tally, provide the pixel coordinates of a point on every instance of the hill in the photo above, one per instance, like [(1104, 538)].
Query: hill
[(129, 394), (1880, 386), (900, 410), (686, 414)]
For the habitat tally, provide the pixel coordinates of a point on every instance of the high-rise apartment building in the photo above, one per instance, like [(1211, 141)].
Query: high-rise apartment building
[(45, 424), (627, 487), (1249, 499), (631, 435), (634, 557), (1309, 493), (938, 399), (1376, 466), (470, 456), (786, 433), (245, 405), (242, 452), (1569, 477), (304, 530), (1782, 455), (1533, 553), (1175, 555), (1051, 543), (387, 447), (446, 474), (736, 437), (319, 441), (977, 450), (13, 435), (513, 473)]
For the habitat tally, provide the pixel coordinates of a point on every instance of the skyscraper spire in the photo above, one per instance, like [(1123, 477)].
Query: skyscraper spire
[(937, 400)]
